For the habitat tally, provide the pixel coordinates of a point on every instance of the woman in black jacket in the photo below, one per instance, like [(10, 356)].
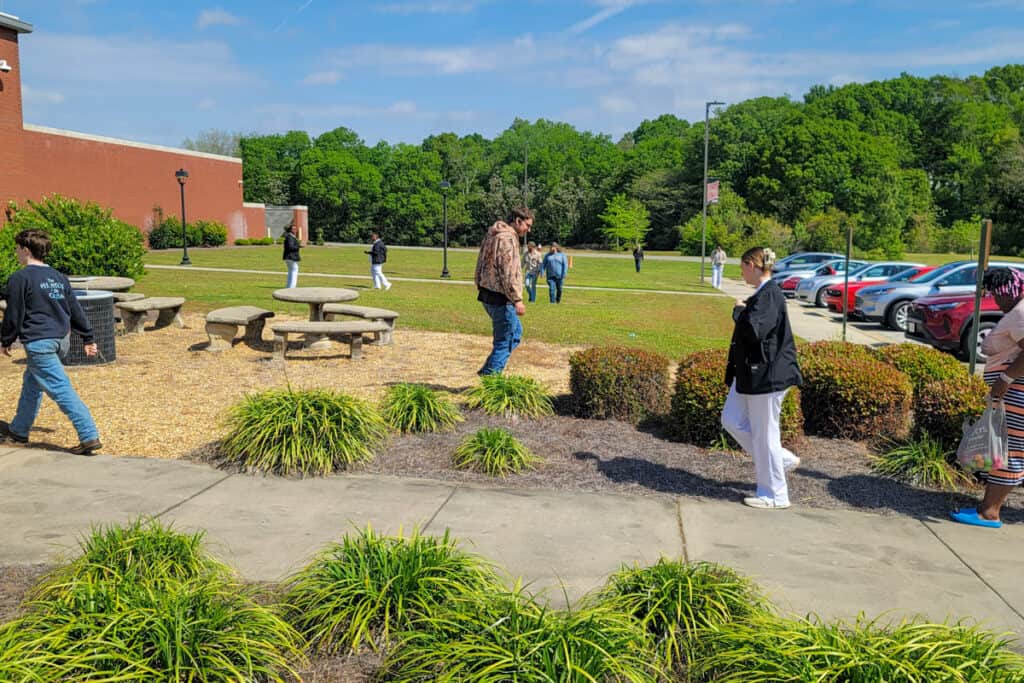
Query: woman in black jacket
[(291, 255), (762, 367)]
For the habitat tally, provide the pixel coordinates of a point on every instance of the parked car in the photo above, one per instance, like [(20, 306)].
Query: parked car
[(945, 321), (834, 293), (826, 268), (803, 260), (812, 290), (888, 303)]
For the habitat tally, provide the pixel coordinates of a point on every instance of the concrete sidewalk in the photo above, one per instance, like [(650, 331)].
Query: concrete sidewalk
[(835, 563)]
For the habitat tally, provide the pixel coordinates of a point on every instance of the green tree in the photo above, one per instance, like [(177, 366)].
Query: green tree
[(626, 222), (215, 141)]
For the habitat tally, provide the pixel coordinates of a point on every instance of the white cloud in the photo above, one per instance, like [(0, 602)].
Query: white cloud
[(215, 16), (616, 105), (322, 78), (436, 7), (609, 11), (33, 96)]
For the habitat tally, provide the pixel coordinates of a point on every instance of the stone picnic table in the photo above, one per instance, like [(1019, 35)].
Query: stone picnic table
[(316, 298), (103, 282)]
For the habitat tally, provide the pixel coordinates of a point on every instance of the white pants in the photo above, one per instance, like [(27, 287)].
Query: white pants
[(716, 276), (293, 273), (753, 420), (379, 281)]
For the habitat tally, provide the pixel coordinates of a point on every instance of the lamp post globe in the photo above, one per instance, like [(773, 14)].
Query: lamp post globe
[(182, 177), (445, 186)]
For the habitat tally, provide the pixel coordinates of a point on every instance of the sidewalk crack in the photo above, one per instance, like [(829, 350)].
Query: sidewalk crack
[(193, 496), (682, 531), (440, 507)]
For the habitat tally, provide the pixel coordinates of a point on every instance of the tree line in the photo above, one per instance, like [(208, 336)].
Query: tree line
[(911, 163)]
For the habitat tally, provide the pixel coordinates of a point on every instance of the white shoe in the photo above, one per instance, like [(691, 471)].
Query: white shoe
[(790, 465), (387, 286), (764, 503)]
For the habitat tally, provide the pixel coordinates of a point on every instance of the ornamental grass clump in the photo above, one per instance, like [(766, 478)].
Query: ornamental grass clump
[(313, 431), (615, 382), (494, 452), (359, 591), (923, 461), (674, 601), (417, 408), (511, 396), (507, 636)]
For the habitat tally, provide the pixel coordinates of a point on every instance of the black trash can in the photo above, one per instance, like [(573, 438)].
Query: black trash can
[(99, 309)]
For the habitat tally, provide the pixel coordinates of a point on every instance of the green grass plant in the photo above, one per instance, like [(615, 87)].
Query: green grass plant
[(921, 461), (767, 649), (307, 432), (511, 396), (507, 636), (495, 452), (675, 600), (418, 408), (359, 591)]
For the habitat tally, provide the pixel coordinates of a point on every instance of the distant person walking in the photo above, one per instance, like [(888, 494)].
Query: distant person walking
[(717, 266), (378, 257), (555, 268), (638, 257), (499, 283), (291, 255), (531, 267), (762, 367), (41, 311)]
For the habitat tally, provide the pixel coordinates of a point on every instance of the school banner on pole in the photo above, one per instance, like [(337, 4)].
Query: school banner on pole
[(713, 192)]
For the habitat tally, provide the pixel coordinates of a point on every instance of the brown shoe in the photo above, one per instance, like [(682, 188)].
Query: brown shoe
[(87, 447), (7, 435)]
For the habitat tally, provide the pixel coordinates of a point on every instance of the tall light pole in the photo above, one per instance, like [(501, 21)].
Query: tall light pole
[(182, 176), (445, 185), (704, 202)]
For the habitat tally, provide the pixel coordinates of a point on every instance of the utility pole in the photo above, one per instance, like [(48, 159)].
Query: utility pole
[(704, 190), (526, 188)]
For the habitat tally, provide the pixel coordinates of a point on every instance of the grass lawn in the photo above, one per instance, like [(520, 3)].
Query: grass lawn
[(670, 324)]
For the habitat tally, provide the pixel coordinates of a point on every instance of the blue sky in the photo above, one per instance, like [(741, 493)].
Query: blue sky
[(400, 70)]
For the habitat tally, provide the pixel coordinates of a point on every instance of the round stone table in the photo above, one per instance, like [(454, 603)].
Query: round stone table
[(316, 297), (106, 283)]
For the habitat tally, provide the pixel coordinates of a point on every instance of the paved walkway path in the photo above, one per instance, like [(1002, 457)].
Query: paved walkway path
[(831, 562)]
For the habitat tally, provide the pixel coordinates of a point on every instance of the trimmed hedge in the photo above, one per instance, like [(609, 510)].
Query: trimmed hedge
[(202, 233), (700, 392), (943, 405), (922, 364), (255, 241), (615, 382), (847, 394)]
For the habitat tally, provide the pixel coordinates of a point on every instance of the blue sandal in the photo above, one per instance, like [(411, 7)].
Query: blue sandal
[(970, 516)]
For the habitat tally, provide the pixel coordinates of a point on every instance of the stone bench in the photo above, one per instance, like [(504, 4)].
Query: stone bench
[(382, 315), (222, 326), (128, 296), (351, 332), (134, 312)]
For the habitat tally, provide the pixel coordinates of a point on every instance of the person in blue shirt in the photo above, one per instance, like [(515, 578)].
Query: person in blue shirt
[(41, 311), (555, 267)]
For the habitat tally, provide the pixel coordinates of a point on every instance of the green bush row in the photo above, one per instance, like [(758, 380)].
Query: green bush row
[(167, 234), (147, 603), (255, 241)]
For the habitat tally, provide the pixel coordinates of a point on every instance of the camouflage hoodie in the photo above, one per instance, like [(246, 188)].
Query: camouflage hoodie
[(498, 267)]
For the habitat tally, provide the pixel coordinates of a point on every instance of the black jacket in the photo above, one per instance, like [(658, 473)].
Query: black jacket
[(762, 354), (378, 253), (291, 247)]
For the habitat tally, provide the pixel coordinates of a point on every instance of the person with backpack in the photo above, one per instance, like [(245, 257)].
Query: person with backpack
[(378, 257)]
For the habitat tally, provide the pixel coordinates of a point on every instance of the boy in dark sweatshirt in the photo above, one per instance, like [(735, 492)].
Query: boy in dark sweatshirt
[(41, 311)]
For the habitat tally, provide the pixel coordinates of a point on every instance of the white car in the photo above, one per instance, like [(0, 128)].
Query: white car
[(812, 290)]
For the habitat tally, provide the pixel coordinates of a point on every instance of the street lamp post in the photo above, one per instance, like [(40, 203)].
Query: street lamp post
[(182, 176), (445, 185), (704, 203)]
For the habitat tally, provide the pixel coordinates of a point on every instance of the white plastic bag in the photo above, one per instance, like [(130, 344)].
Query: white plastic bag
[(983, 447)]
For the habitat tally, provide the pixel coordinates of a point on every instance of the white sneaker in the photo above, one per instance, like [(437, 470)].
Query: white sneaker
[(764, 503), (790, 465), (387, 286)]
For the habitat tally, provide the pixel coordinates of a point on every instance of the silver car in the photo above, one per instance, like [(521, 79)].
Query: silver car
[(888, 303), (825, 269), (806, 260), (812, 290)]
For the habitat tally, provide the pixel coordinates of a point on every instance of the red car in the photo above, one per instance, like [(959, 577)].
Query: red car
[(945, 320), (834, 294), (789, 286)]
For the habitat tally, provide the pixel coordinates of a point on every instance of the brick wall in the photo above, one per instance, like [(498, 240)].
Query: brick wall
[(11, 151)]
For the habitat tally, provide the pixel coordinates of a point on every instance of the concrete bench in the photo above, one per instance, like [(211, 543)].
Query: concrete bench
[(382, 315), (222, 326), (134, 312), (128, 296), (351, 332)]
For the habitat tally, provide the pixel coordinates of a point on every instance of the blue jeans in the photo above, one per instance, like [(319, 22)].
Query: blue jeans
[(508, 332), (45, 374), (293, 273), (555, 290), (531, 286)]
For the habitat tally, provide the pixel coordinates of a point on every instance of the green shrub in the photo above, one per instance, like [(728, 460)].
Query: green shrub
[(243, 241), (835, 349), (417, 408), (942, 407), (359, 591), (212, 233), (494, 637), (922, 364), (700, 392), (618, 383), (202, 233), (87, 239), (512, 396), (315, 431), (494, 452), (923, 461), (849, 395), (766, 649), (675, 600)]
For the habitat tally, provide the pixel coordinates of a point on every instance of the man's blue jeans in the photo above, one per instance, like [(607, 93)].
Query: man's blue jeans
[(531, 286), (45, 374), (555, 290), (508, 332)]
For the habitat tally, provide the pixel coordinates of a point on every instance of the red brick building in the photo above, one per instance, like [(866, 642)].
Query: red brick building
[(128, 177)]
